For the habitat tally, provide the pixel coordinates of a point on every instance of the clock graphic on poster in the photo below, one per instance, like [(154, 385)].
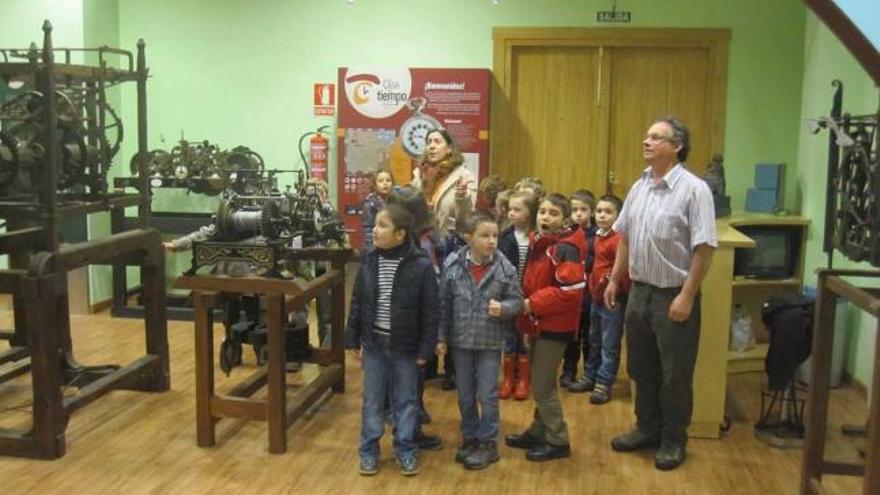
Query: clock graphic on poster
[(416, 128)]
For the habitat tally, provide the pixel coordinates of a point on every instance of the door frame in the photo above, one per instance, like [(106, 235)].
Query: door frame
[(506, 39)]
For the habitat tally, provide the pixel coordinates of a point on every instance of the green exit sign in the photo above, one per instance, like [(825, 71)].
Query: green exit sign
[(613, 16)]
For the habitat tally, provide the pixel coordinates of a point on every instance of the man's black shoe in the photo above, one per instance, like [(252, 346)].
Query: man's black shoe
[(547, 452), (428, 442), (634, 440), (522, 441), (670, 456)]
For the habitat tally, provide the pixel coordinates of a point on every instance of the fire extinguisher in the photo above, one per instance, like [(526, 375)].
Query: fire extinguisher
[(319, 147)]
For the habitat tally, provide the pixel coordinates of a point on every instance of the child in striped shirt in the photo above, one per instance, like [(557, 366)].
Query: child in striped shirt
[(392, 328)]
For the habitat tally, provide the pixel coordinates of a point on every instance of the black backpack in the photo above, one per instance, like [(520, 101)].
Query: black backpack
[(789, 319)]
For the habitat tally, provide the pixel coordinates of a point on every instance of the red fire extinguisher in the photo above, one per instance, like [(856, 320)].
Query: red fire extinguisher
[(318, 150)]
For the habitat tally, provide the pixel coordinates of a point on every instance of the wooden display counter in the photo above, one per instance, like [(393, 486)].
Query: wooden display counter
[(721, 290), (751, 293), (710, 374)]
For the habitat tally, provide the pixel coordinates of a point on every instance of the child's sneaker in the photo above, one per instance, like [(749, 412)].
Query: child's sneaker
[(582, 384), (409, 466), (369, 466), (601, 394), (482, 456), (465, 449)]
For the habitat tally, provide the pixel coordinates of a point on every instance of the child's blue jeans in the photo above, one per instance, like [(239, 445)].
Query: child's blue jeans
[(606, 331), (476, 378), (386, 369)]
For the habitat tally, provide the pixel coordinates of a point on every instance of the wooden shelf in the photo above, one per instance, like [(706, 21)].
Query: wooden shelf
[(748, 361), (749, 218), (754, 282)]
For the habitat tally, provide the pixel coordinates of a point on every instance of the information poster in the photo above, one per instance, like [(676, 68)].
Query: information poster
[(384, 116)]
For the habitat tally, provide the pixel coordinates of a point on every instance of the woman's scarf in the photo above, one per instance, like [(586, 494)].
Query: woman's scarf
[(431, 179)]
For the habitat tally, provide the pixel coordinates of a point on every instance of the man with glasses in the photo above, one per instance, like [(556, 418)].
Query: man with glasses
[(668, 237)]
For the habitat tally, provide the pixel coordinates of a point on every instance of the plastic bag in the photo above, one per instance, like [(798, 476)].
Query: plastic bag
[(741, 336)]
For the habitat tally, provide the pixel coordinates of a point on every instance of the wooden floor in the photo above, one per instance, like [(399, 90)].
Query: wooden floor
[(129, 442)]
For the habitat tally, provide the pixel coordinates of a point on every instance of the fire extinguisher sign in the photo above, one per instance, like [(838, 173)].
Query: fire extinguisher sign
[(325, 99)]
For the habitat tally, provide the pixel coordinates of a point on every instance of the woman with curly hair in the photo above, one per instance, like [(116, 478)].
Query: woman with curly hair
[(447, 184)]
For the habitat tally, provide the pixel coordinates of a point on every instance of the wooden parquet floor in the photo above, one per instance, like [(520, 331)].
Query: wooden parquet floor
[(131, 442)]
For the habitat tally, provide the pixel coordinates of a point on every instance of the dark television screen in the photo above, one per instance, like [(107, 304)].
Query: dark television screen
[(773, 256)]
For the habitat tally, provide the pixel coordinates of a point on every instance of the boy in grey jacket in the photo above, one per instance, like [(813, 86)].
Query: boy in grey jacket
[(480, 294)]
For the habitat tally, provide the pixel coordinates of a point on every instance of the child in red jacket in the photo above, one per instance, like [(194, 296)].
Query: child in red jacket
[(553, 284), (606, 324)]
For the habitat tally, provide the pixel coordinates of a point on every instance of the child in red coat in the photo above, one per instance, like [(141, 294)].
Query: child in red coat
[(553, 284)]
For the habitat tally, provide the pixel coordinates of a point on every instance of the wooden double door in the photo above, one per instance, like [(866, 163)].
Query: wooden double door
[(572, 105)]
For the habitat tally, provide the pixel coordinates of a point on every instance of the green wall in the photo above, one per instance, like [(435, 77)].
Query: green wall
[(241, 72), (22, 21), (826, 59), (101, 27)]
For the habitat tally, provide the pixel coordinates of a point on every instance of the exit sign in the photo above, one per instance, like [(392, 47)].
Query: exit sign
[(613, 16)]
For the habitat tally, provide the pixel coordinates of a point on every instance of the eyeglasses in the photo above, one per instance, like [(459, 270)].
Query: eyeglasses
[(659, 137)]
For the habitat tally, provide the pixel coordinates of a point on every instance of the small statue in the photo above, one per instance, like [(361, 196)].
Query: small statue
[(714, 175)]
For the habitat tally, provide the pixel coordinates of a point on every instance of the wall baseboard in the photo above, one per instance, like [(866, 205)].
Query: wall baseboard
[(857, 385), (100, 305)]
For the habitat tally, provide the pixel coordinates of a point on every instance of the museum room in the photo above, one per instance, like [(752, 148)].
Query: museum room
[(473, 246)]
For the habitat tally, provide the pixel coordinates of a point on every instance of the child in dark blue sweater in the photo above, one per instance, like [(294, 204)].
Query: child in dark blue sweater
[(392, 328)]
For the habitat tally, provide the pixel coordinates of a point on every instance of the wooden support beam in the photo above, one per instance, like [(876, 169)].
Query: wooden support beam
[(308, 395), (204, 355), (49, 416), (843, 468), (10, 281), (104, 251), (249, 387), (276, 401), (862, 298), (14, 354), (20, 444), (238, 407), (114, 380), (17, 369), (815, 487), (238, 285), (820, 379), (26, 239)]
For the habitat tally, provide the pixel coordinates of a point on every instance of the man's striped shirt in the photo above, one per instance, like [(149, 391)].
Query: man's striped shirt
[(664, 222)]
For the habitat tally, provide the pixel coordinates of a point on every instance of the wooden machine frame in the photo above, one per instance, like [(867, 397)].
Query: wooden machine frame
[(282, 296), (41, 341)]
